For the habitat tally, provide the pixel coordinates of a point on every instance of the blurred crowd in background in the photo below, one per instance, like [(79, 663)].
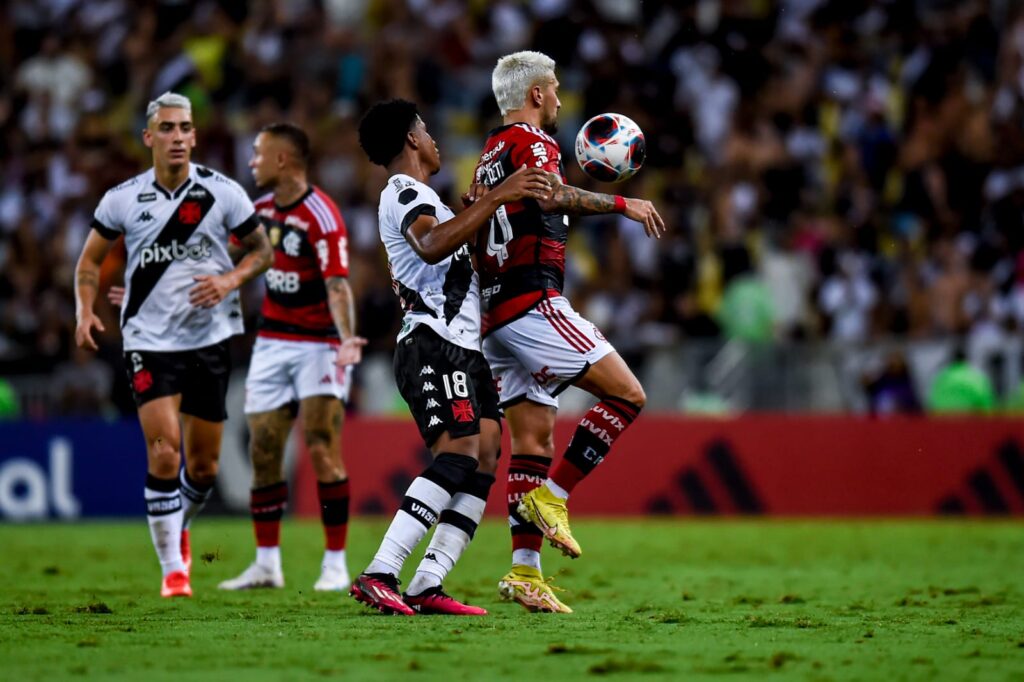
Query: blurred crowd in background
[(843, 171)]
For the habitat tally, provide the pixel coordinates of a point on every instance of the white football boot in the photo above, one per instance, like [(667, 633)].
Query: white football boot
[(255, 577)]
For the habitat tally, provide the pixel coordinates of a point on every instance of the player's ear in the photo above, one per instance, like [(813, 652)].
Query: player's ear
[(147, 137), (411, 140), (537, 95)]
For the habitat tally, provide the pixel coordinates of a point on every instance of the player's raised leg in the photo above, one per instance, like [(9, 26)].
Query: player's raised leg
[(322, 418), (620, 399), (268, 432), (159, 419)]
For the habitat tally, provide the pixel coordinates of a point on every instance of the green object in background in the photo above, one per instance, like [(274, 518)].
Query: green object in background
[(1015, 403), (961, 389), (746, 313), (10, 408)]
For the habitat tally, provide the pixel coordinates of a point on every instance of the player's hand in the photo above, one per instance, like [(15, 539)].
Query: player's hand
[(350, 352), (525, 183), (87, 321), (475, 191), (644, 212), (116, 296), (210, 290)]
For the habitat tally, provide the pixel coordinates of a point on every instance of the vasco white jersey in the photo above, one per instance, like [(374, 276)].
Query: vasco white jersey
[(171, 237), (444, 296)]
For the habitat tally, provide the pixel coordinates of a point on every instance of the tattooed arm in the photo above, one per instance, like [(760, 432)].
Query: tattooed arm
[(340, 301), (576, 201), (211, 289), (87, 284)]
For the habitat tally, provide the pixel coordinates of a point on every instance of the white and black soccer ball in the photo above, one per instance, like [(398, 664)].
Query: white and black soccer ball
[(610, 148)]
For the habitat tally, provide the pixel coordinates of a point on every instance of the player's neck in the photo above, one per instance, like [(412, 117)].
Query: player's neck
[(527, 116), (171, 177), (288, 190), (411, 166)]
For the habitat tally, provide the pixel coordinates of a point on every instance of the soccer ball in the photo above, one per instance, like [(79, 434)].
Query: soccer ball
[(610, 148)]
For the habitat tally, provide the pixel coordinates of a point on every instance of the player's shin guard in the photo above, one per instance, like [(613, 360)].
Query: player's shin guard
[(334, 501), (267, 505), (163, 511), (455, 528), (426, 497), (193, 496), (594, 437), (525, 472)]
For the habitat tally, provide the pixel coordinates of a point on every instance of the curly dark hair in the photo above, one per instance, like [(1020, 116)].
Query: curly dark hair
[(384, 127)]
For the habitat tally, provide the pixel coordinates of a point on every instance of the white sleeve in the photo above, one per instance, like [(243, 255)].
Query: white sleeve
[(106, 219), (239, 214), (412, 203)]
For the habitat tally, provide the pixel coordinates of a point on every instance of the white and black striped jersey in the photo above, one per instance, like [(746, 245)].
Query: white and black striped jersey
[(444, 296), (172, 236)]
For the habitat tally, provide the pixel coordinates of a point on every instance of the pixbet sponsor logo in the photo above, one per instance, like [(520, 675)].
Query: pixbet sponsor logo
[(159, 253)]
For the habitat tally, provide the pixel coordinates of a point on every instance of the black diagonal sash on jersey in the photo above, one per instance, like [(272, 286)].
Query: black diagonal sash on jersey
[(456, 283), (144, 279)]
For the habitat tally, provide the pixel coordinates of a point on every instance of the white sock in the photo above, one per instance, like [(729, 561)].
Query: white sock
[(558, 490), (334, 559), (269, 557), (417, 514), (454, 531), (526, 557), (193, 499), (163, 512)]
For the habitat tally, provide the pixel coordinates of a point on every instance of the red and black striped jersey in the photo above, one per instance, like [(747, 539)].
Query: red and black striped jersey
[(521, 254), (310, 244)]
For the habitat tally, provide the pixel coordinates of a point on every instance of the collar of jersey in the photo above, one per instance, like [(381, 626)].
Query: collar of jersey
[(178, 192), (285, 209)]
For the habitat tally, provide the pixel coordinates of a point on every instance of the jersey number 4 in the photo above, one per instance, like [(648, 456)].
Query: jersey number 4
[(499, 236)]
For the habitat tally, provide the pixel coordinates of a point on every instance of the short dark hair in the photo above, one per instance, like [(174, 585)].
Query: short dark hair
[(384, 127), (295, 136)]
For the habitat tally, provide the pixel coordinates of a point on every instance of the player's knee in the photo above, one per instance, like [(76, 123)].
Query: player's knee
[(204, 471), (164, 457), (635, 394)]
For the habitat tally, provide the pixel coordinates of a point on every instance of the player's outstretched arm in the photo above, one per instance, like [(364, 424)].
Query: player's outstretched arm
[(433, 241), (211, 289), (87, 285), (576, 201), (341, 303)]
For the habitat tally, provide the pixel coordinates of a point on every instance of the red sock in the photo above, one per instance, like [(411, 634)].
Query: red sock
[(525, 472), (594, 437), (267, 505), (334, 499)]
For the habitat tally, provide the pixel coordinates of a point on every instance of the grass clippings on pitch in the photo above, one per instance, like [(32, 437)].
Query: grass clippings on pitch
[(654, 599)]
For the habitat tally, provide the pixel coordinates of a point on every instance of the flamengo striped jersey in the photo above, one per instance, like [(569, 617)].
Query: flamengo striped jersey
[(444, 296), (310, 244), (172, 236)]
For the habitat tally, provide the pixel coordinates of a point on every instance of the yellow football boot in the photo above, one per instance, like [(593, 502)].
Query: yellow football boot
[(543, 509), (526, 586)]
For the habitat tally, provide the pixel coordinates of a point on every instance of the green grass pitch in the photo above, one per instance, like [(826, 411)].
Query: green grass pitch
[(654, 599)]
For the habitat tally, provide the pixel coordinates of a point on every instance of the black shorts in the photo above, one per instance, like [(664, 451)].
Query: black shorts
[(200, 376), (448, 388)]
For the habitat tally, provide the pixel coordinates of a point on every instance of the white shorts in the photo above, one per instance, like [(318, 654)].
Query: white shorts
[(283, 371), (542, 353)]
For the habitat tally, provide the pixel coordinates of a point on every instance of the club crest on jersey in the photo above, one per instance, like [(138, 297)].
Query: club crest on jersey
[(291, 244), (190, 212), (161, 253)]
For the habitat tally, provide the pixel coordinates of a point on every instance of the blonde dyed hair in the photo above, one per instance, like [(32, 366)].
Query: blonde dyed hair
[(515, 74)]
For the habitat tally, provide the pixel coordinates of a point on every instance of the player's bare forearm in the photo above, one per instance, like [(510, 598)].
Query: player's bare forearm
[(259, 255), (87, 271), (433, 241), (235, 252), (341, 303), (576, 201)]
